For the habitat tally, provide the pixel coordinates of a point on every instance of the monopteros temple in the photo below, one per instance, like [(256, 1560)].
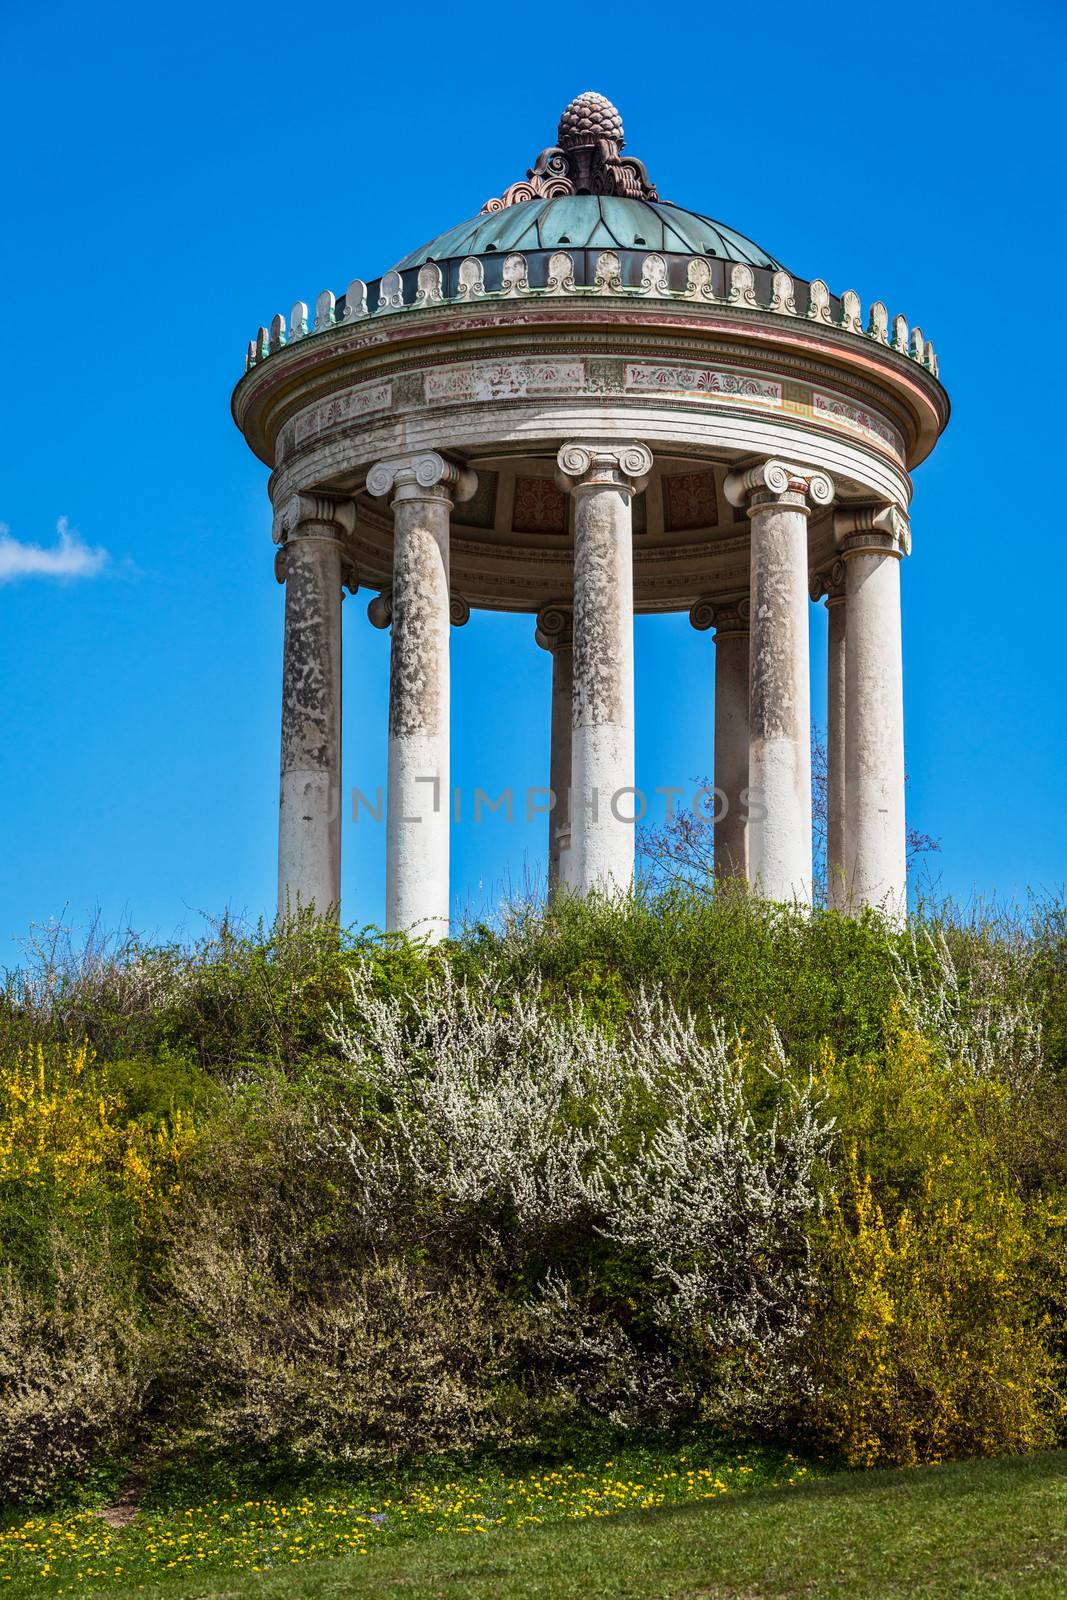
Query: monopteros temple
[(583, 403)]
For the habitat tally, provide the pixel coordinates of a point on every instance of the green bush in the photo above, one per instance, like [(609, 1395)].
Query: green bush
[(934, 1331), (73, 1370), (368, 1229)]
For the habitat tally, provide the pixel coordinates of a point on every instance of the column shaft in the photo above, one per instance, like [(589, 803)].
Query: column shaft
[(778, 497), (555, 633), (830, 585), (313, 567), (602, 752), (419, 780), (419, 777), (836, 631), (779, 774), (731, 752), (875, 837), (603, 689), (559, 821)]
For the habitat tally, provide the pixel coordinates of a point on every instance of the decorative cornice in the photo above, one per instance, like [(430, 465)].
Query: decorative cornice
[(426, 476), (771, 482), (730, 618), (625, 465), (871, 529), (489, 337), (427, 292)]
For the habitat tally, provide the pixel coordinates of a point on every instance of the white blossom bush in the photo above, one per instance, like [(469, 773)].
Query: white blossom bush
[(981, 1019), (392, 1357), (718, 1202), (554, 1141), (71, 1371), (483, 1102)]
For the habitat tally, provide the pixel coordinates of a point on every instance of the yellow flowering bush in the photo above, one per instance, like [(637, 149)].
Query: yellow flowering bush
[(60, 1130), (931, 1337), (82, 1185)]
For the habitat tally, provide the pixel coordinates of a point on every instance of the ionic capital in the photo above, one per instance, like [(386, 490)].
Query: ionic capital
[(829, 585), (779, 483), (425, 476), (730, 618), (314, 516), (555, 626), (380, 610), (872, 529), (349, 571), (624, 465)]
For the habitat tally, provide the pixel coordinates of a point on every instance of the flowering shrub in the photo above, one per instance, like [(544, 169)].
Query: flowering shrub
[(71, 1370), (932, 1336), (926, 1349), (60, 1131), (982, 1020), (657, 1155), (661, 1161), (76, 1175), (373, 1363)]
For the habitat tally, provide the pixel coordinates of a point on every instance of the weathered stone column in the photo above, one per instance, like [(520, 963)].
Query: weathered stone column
[(423, 488), (831, 585), (779, 497), (603, 477), (312, 564), (555, 633), (872, 540), (730, 620)]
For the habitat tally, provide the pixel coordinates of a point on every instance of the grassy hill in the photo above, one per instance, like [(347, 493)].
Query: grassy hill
[(967, 1531), (338, 1212)]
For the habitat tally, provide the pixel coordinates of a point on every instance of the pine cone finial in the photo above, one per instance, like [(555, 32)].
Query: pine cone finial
[(588, 118)]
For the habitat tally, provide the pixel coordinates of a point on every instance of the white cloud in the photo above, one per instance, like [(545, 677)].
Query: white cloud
[(68, 558)]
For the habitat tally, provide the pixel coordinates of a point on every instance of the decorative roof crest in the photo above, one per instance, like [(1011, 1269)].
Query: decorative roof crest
[(587, 159)]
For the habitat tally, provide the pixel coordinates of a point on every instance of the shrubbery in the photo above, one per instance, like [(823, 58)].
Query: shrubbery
[(681, 1160), (932, 1330)]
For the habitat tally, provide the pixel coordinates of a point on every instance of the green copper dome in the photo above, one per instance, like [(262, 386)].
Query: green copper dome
[(591, 221)]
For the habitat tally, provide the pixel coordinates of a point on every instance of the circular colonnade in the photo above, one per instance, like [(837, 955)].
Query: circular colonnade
[(586, 403)]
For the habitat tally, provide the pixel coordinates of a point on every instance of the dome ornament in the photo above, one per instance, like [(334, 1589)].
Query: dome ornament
[(587, 160)]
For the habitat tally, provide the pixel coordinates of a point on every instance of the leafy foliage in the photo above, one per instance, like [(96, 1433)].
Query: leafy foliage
[(934, 1333), (682, 1160)]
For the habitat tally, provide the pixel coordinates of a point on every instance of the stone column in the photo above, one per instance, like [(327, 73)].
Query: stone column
[(779, 498), (872, 540), (312, 564), (555, 633), (603, 479), (730, 620), (423, 488), (831, 585)]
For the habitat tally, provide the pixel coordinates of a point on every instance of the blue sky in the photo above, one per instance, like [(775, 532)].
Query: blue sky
[(175, 175)]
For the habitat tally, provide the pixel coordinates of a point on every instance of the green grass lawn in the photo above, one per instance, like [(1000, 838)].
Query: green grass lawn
[(974, 1529)]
